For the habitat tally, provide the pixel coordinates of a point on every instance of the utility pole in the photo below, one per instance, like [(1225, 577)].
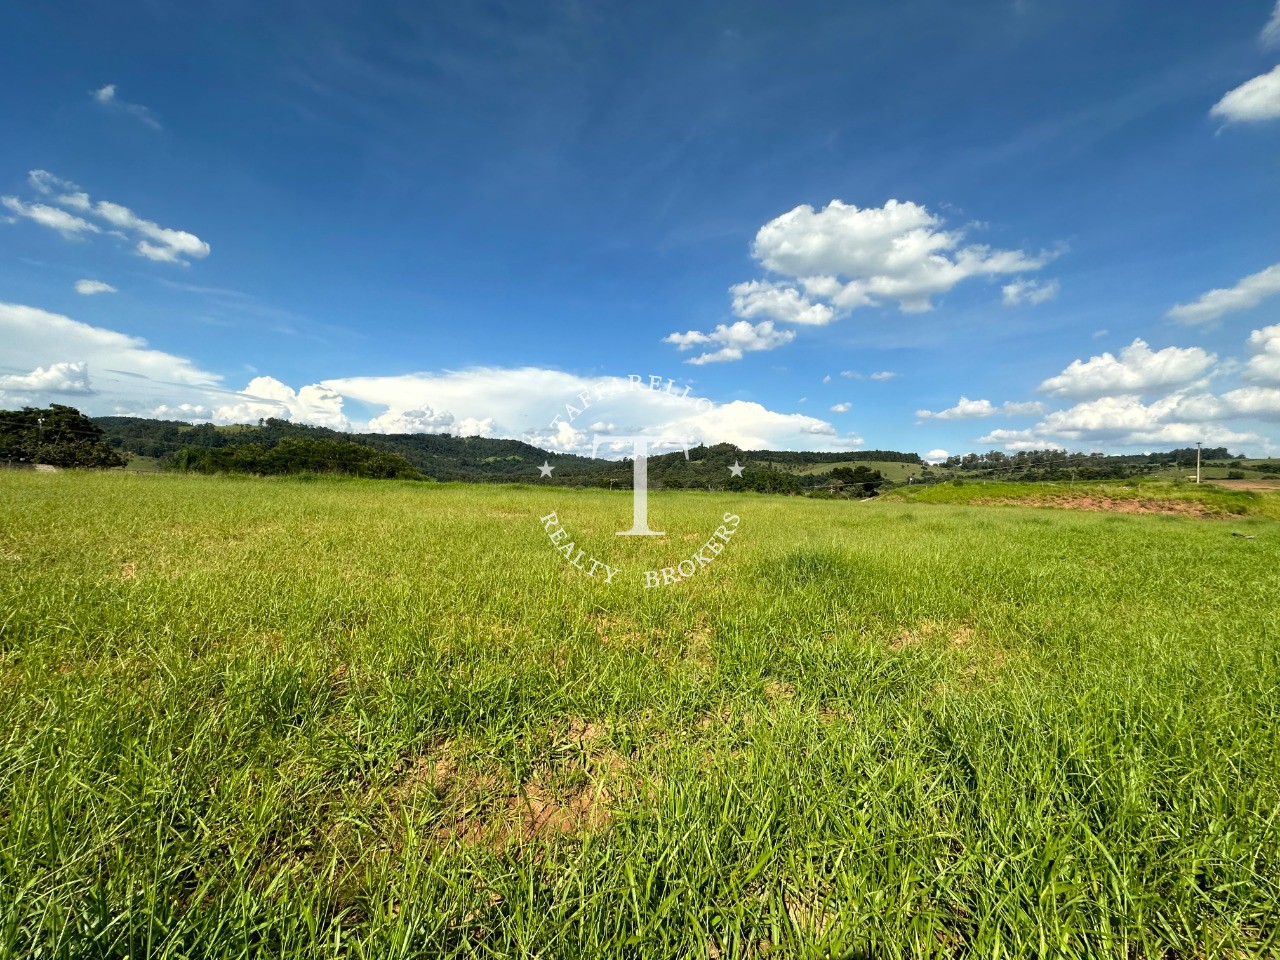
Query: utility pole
[(1197, 461)]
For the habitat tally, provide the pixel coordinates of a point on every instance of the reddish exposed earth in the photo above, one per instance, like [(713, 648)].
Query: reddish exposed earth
[(1182, 508)]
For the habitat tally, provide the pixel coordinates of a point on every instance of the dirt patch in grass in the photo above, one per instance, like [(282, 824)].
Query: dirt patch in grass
[(974, 658), (619, 633), (572, 795), (546, 806), (441, 774), (543, 812), (779, 690), (1181, 508), (586, 733), (930, 631), (1262, 485), (698, 648)]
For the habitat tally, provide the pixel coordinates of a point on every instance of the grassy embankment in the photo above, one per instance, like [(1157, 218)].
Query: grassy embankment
[(1146, 495), (380, 719)]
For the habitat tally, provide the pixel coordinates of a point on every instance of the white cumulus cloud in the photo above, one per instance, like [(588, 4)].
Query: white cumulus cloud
[(128, 375), (538, 405), (753, 426), (1028, 291), (968, 409), (426, 420), (965, 409), (1252, 101), (1125, 421), (1137, 370), (844, 257), (88, 288), (1264, 362), (66, 377), (1252, 403), (842, 408), (316, 404), (862, 256), (760, 298), (179, 411), (1115, 408), (37, 336), (152, 240), (733, 340), (67, 224), (1248, 293)]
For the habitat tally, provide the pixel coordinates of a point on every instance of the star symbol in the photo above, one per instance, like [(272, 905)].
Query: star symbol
[(736, 469), (546, 468)]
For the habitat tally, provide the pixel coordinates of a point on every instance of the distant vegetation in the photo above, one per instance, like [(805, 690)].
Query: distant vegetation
[(1038, 465), (59, 436), (273, 446), (294, 455), (277, 446)]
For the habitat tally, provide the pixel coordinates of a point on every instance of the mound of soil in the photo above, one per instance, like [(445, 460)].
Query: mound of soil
[(1182, 508)]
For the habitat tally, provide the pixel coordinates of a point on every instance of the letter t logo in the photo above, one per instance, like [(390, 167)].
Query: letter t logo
[(640, 476)]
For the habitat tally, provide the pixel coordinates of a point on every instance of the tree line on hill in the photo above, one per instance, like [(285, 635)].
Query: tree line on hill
[(1056, 465), (206, 448), (295, 455), (62, 436)]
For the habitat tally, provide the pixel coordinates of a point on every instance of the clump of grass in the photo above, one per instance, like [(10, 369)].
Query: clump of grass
[(383, 719)]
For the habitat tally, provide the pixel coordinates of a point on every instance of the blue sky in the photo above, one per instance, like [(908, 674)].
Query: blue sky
[(451, 216)]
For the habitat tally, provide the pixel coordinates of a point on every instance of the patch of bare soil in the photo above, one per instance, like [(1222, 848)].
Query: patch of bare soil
[(571, 796), (929, 630), (779, 690), (619, 633), (1181, 508), (541, 812), (1260, 485)]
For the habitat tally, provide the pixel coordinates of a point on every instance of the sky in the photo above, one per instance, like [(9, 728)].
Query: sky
[(924, 225)]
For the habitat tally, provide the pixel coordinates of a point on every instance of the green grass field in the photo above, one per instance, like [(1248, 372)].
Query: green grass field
[(378, 719)]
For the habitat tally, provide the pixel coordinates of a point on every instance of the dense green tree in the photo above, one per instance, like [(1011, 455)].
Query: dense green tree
[(296, 455), (765, 481), (858, 481), (57, 435)]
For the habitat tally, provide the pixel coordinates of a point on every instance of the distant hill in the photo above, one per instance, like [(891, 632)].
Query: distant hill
[(445, 457), (478, 459)]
